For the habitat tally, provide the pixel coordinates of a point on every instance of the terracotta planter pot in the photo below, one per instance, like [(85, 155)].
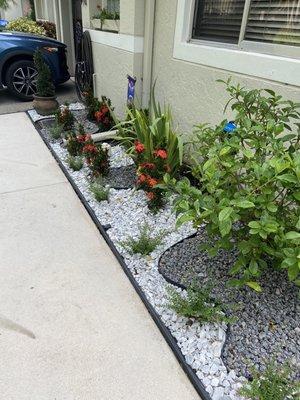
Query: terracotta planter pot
[(45, 105)]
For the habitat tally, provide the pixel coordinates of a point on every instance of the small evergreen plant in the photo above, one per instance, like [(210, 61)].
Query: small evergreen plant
[(145, 243), (44, 83)]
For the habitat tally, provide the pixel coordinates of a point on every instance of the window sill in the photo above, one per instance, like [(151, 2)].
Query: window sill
[(132, 44), (272, 67)]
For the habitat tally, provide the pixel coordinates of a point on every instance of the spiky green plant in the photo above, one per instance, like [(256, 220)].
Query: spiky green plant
[(75, 162), (146, 242), (100, 192)]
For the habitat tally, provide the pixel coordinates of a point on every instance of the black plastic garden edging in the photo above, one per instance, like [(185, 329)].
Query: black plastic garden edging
[(163, 329)]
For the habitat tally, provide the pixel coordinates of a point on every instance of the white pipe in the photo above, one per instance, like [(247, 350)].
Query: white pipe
[(148, 50)]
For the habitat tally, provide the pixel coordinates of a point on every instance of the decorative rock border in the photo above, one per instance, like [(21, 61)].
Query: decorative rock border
[(197, 347)]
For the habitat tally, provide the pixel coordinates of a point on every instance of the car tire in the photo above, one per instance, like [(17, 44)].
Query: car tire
[(21, 79)]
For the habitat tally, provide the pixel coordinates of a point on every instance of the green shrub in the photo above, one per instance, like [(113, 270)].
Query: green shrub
[(273, 384), (44, 83), (100, 192), (65, 118), (27, 25), (75, 163), (198, 304), (56, 132), (146, 243), (248, 190)]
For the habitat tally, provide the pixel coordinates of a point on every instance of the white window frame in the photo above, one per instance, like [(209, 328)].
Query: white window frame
[(250, 58)]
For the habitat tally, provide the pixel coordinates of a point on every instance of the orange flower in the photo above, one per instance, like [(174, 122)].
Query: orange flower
[(152, 182), (161, 154), (90, 148)]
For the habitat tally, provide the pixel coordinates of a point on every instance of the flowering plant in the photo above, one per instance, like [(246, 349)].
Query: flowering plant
[(99, 111), (97, 157), (76, 142), (154, 145), (65, 118)]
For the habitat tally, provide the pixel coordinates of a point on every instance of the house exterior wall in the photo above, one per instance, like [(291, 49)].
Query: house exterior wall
[(118, 55), (190, 88)]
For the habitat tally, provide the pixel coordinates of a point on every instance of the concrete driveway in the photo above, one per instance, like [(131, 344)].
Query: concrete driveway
[(9, 104), (71, 325)]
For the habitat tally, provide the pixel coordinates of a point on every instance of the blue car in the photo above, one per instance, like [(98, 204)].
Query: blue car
[(17, 70)]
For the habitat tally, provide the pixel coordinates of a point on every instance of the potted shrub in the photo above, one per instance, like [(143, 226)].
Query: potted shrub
[(106, 21), (44, 102)]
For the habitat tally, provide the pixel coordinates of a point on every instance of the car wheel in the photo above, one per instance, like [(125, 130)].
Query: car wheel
[(21, 79)]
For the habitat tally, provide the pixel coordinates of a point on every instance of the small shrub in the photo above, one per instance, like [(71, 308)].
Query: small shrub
[(76, 142), (44, 82), (26, 25), (65, 118), (55, 132), (49, 27), (273, 384), (104, 14), (145, 244), (248, 184), (197, 304), (97, 157), (100, 192), (75, 163), (99, 111)]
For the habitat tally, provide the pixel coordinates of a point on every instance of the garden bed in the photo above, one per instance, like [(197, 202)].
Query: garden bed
[(208, 353)]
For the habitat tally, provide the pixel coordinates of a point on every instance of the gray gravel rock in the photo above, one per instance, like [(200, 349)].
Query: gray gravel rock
[(267, 323)]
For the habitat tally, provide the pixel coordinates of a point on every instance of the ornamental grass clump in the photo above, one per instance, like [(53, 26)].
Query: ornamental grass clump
[(155, 147), (197, 303), (248, 184), (75, 163), (100, 192), (146, 243), (274, 383)]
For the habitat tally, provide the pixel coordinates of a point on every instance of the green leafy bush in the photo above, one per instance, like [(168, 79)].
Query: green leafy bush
[(65, 118), (75, 163), (248, 184), (27, 25), (146, 243), (273, 384), (100, 192), (197, 303), (44, 83)]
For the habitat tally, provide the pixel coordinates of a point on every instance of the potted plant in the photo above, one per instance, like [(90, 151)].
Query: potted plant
[(106, 21), (44, 102)]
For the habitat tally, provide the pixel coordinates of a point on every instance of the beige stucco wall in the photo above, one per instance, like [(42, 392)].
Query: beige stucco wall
[(112, 66), (191, 89)]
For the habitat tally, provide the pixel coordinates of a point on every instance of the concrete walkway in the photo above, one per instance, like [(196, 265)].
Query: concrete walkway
[(71, 325)]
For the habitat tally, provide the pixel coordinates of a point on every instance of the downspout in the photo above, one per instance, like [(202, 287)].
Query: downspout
[(148, 51)]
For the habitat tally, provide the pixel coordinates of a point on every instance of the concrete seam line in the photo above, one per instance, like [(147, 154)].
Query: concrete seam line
[(163, 329)]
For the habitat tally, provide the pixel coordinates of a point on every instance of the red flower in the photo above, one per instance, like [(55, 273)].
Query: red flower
[(90, 148), (98, 116), (148, 165), (139, 147), (81, 138), (161, 154), (150, 195), (104, 110)]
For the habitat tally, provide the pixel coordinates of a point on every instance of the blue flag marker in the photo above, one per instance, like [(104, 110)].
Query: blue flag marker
[(131, 89), (230, 127)]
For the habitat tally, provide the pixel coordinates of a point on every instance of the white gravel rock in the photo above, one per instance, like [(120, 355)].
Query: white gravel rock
[(124, 213)]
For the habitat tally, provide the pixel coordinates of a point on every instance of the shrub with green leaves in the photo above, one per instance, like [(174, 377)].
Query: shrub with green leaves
[(56, 132), (75, 162), (248, 190), (44, 83), (100, 192), (24, 24), (146, 243), (274, 383), (197, 303)]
